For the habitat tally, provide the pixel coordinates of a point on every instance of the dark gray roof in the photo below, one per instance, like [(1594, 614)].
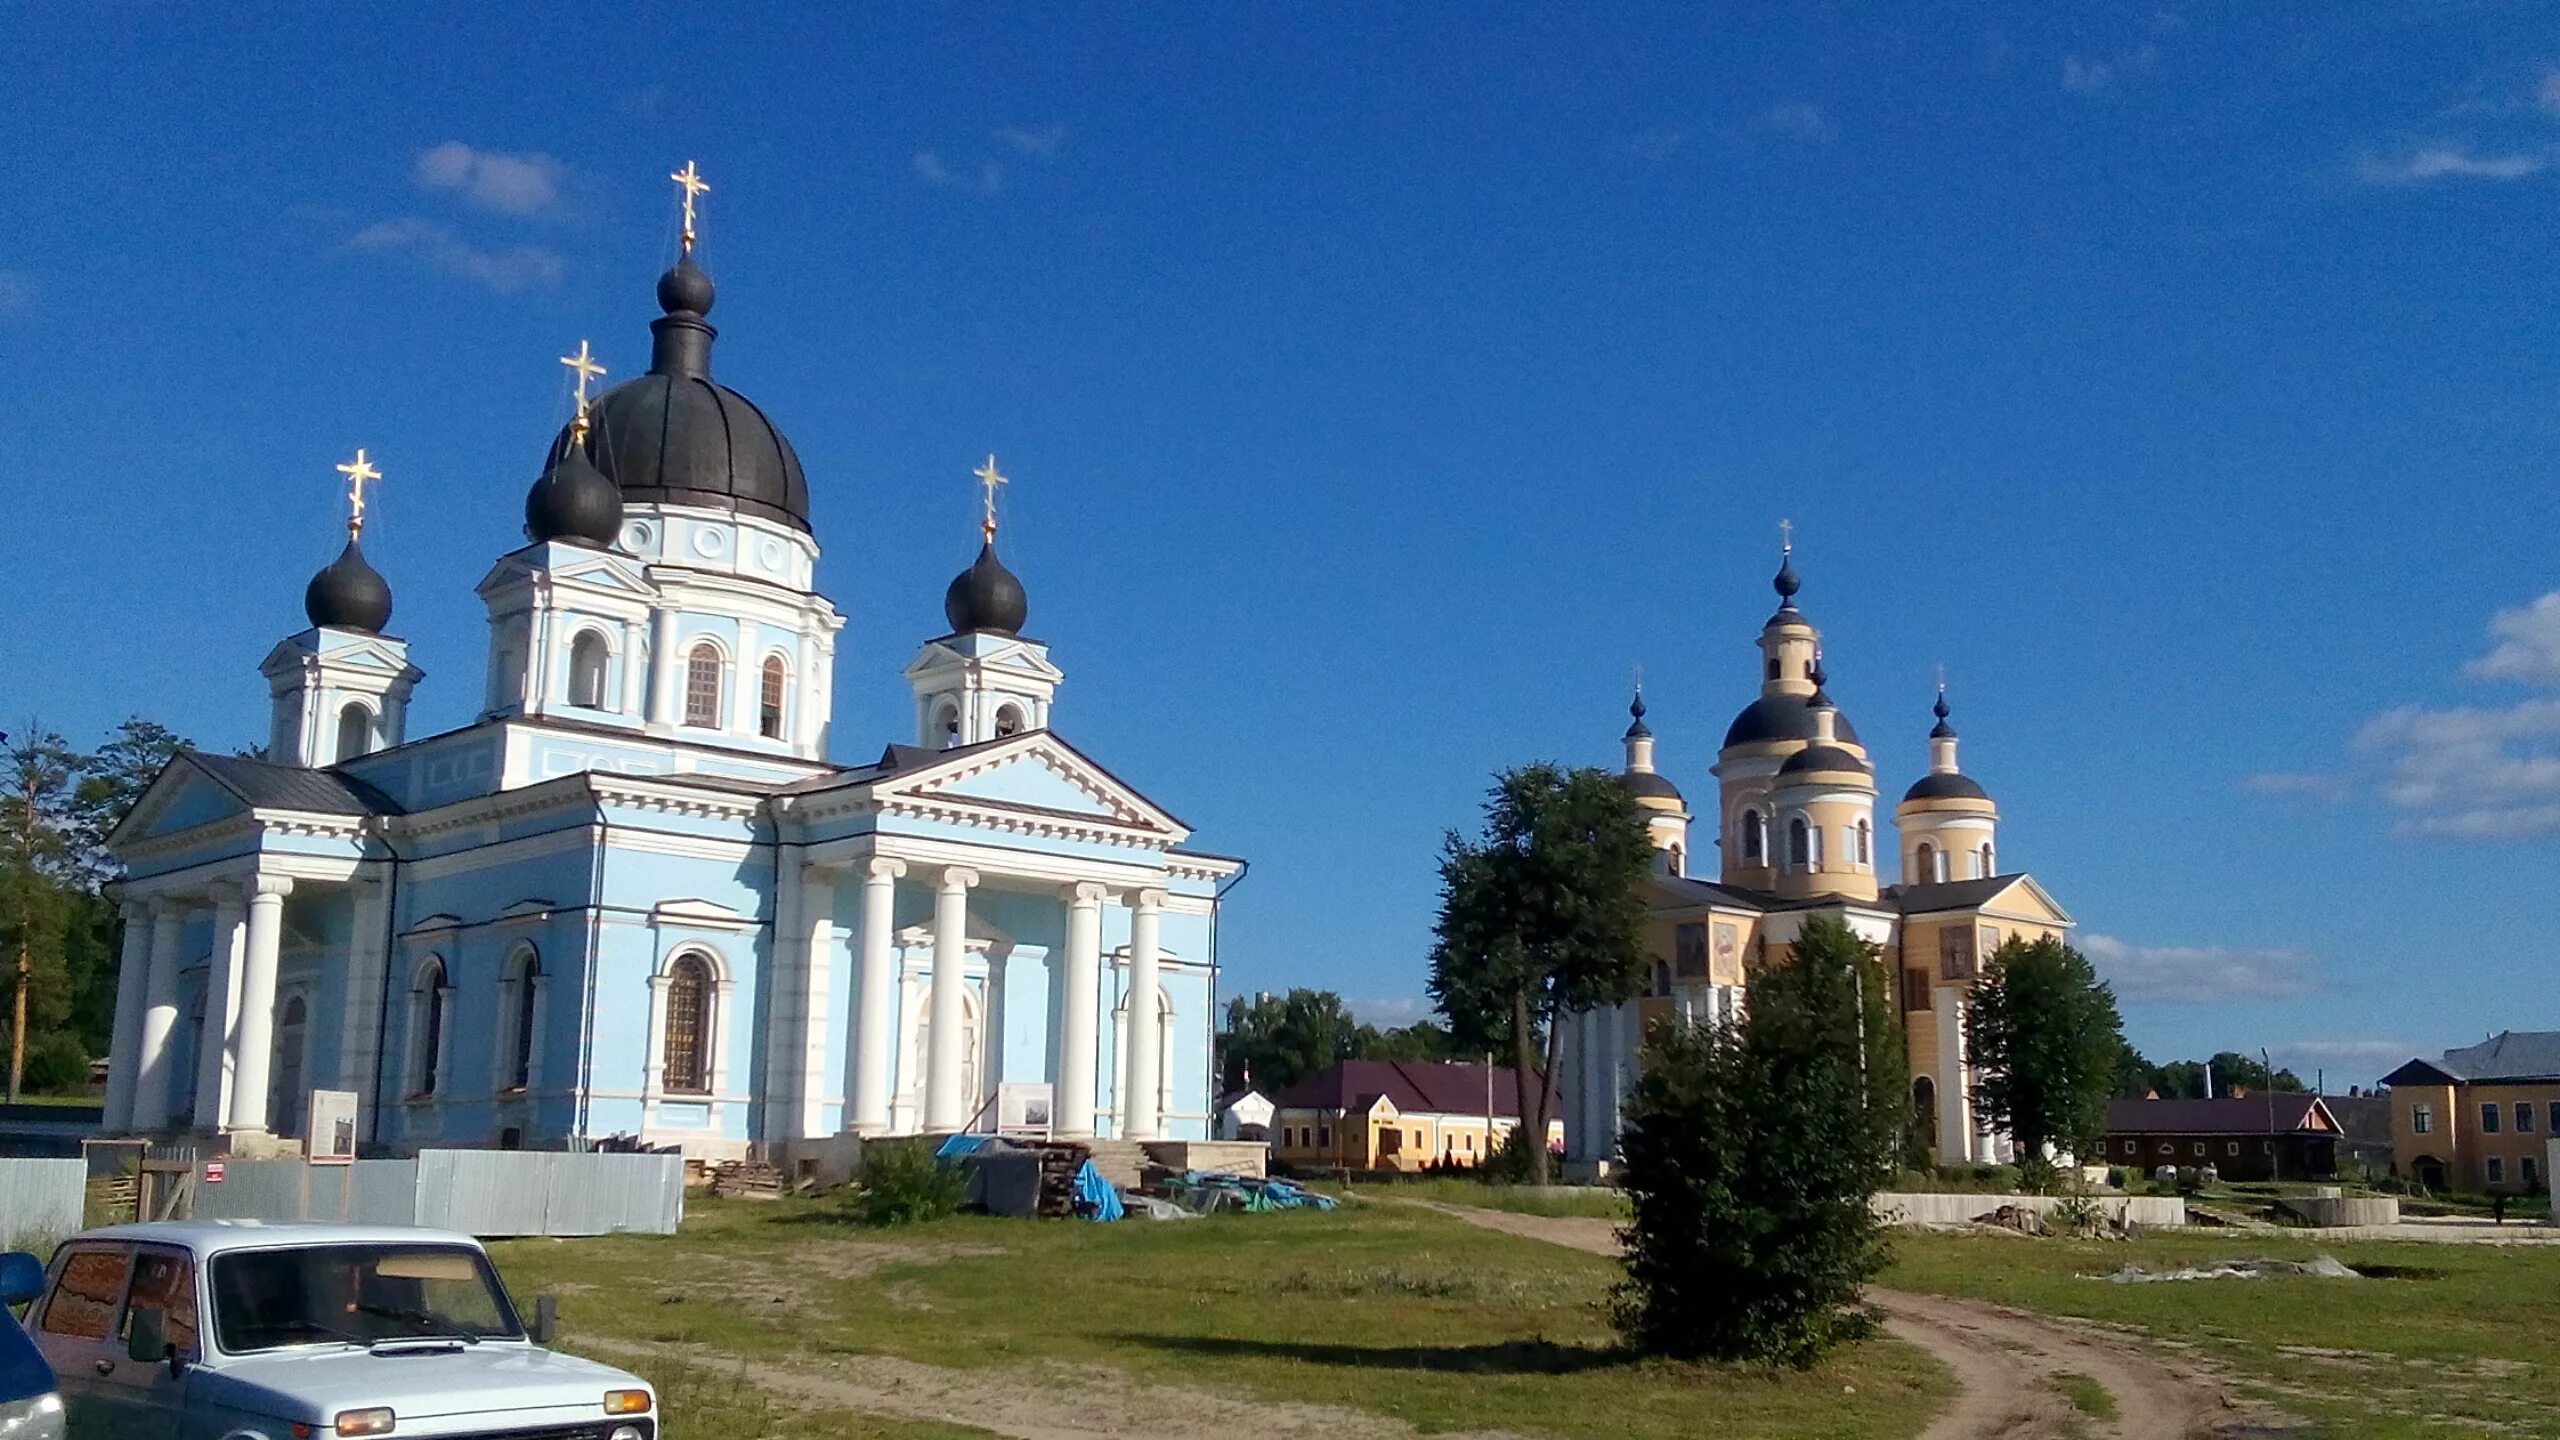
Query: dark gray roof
[(1649, 783), (1822, 757), (1782, 717), (1947, 895), (269, 786), (1946, 787), (1683, 889), (2510, 1055), (2261, 1113)]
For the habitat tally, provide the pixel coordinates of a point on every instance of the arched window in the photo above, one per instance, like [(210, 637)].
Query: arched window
[(588, 658), (1773, 667), (769, 707), (1755, 839), (428, 1000), (1866, 835), (518, 1072), (284, 1097), (1008, 721), (1679, 860), (946, 718), (1982, 862), (1799, 842), (702, 686), (1924, 1110), (1924, 864), (355, 731), (688, 1052)]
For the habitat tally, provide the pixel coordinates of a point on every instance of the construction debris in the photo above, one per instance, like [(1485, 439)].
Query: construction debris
[(2320, 1266), (745, 1180), (1059, 1178)]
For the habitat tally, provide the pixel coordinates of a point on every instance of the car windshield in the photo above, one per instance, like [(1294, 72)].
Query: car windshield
[(356, 1294)]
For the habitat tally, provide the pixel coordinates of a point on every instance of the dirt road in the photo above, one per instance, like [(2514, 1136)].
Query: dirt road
[(2007, 1363)]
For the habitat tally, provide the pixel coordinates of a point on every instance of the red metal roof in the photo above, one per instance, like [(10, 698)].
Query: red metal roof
[(1438, 1087)]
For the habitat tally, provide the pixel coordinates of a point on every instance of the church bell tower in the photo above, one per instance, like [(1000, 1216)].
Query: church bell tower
[(985, 680), (341, 688)]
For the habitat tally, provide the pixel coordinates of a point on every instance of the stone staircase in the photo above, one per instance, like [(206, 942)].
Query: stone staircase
[(1122, 1162)]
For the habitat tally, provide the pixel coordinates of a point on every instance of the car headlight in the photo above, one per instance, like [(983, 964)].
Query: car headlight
[(38, 1417), (626, 1402), (624, 1432), (376, 1421)]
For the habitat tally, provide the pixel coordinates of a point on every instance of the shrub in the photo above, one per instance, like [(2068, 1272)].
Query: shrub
[(901, 1181), (1513, 1162), (2039, 1176)]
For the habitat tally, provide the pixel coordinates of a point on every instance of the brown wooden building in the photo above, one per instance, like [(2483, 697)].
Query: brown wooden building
[(2271, 1135)]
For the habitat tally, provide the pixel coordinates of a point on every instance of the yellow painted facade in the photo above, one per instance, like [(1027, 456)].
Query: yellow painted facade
[(2440, 1134), (1385, 1138)]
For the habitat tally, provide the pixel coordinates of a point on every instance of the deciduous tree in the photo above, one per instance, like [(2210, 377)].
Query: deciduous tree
[(2046, 1046)]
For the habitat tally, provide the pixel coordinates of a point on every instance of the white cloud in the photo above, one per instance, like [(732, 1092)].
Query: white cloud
[(2347, 1062), (1391, 1011), (526, 184), (507, 271), (1802, 120), (2528, 644), (2198, 974), (1044, 141), (987, 179), (2086, 77), (2448, 162)]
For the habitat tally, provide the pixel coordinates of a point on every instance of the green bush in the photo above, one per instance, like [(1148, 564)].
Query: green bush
[(1513, 1162), (2039, 1176), (901, 1181)]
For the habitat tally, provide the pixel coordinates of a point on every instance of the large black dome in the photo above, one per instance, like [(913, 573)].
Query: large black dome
[(675, 436), (349, 594), (1649, 785), (1946, 787), (1782, 717), (986, 596), (1822, 757)]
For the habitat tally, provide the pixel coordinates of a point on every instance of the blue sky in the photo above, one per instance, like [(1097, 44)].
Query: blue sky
[(1381, 384)]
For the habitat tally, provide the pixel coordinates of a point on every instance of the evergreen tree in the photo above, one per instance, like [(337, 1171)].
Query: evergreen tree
[(40, 907), (1542, 916), (1751, 1151), (2046, 1046), (109, 784)]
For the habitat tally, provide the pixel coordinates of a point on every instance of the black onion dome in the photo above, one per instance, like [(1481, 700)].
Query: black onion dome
[(1785, 581), (1783, 717), (675, 436), (1946, 787), (1638, 729), (986, 596), (573, 501), (1942, 730), (349, 594), (1822, 757), (1649, 785)]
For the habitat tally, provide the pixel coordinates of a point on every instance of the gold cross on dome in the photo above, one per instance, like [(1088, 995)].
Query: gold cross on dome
[(586, 368), (357, 471), (690, 181), (988, 480)]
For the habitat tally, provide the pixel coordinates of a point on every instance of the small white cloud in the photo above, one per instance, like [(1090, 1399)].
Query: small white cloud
[(1044, 141), (2086, 76), (987, 179), (2448, 162), (1802, 120), (506, 271), (526, 184), (1389, 1012), (2528, 644), (2347, 1062), (2198, 974)]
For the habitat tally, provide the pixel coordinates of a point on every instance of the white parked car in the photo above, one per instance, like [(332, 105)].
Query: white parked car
[(237, 1330)]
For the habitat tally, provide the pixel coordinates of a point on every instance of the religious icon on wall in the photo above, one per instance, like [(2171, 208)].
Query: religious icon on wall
[(1990, 943), (1955, 953), (1728, 961), (1689, 951)]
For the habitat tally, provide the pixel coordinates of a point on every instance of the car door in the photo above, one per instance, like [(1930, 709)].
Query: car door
[(77, 1331), (142, 1399)]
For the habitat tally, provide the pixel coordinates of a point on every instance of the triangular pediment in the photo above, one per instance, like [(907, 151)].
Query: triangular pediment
[(605, 572), (2029, 899), (567, 565), (1038, 772), (181, 797)]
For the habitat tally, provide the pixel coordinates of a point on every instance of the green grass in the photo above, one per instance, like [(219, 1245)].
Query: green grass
[(2086, 1395), (1571, 1200), (689, 1395), (2458, 1340), (1393, 1310)]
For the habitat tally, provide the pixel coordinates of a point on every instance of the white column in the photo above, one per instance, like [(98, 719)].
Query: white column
[(124, 1042), (874, 1041), (631, 669), (256, 1032), (803, 724), (653, 1068), (666, 668), (818, 926), (1080, 993), (1139, 1119), (747, 695), (784, 978), (221, 1008), (539, 631), (1955, 1109), (159, 1018), (945, 1107)]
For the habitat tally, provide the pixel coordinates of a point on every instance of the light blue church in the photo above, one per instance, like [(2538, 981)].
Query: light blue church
[(635, 900)]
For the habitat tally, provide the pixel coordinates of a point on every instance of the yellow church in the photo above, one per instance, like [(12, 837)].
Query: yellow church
[(1795, 833)]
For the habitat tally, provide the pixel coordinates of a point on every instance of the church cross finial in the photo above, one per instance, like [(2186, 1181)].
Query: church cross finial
[(1942, 678), (584, 365), (690, 181), (1786, 537), (358, 471), (988, 479)]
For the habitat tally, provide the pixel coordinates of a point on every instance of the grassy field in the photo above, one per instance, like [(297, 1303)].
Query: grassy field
[(1574, 1200), (2449, 1340), (1389, 1310)]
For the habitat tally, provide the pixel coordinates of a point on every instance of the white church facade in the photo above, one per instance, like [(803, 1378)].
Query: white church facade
[(635, 898)]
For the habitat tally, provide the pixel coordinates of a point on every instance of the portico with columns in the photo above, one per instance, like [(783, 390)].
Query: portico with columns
[(638, 899)]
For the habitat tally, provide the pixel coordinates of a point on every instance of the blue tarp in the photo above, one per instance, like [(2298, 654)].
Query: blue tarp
[(1092, 1189), (959, 1145)]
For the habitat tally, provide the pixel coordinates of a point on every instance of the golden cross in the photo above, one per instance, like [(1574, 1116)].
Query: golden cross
[(584, 364), (1787, 537), (690, 180), (357, 471), (989, 479)]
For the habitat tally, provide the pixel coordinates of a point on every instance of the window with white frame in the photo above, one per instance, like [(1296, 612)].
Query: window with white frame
[(1755, 837), (2497, 1170), (2488, 1117), (688, 1046), (2422, 1119), (2524, 1117), (702, 686), (1008, 720), (1924, 862), (1982, 862), (355, 731), (1799, 842), (777, 679), (1866, 838), (524, 984), (589, 657), (430, 1001)]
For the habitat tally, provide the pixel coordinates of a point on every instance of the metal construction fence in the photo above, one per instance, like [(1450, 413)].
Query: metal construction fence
[(41, 1201), (478, 1192)]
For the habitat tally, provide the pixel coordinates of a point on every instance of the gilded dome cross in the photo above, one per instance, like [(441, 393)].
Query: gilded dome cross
[(690, 181), (584, 365), (358, 471), (988, 480)]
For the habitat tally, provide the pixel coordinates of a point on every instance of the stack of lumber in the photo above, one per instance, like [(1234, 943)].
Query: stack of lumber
[(746, 1179)]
